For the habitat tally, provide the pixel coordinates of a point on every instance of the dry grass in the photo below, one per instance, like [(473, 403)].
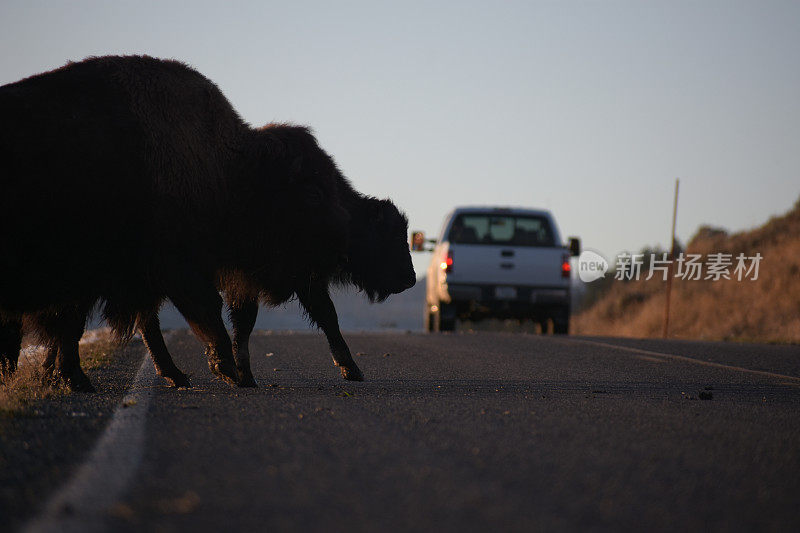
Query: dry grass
[(29, 384), (765, 310), (25, 387), (96, 348)]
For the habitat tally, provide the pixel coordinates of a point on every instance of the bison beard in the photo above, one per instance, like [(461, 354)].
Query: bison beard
[(129, 180)]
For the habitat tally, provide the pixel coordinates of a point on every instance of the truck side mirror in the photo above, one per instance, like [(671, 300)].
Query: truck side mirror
[(574, 246), (417, 243)]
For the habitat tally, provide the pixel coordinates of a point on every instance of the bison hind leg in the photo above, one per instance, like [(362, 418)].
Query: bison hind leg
[(68, 365), (10, 343), (60, 329)]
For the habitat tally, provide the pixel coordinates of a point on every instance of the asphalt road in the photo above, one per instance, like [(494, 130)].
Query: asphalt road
[(462, 432)]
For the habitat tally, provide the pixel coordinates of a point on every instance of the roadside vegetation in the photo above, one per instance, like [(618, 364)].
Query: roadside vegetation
[(764, 310), (29, 384), (25, 387)]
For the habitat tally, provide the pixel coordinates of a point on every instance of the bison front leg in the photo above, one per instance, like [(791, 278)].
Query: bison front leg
[(201, 306), (317, 303), (243, 318), (150, 328)]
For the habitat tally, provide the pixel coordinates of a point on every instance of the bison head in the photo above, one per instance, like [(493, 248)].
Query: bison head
[(379, 261)]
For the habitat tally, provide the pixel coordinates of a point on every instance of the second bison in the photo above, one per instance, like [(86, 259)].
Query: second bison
[(128, 180)]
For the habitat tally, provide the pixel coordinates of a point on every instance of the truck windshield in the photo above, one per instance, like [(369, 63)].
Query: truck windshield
[(501, 230)]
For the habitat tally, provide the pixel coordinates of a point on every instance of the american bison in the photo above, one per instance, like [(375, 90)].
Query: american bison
[(128, 180)]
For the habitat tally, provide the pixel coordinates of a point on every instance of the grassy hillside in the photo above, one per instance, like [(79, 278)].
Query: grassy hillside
[(767, 309)]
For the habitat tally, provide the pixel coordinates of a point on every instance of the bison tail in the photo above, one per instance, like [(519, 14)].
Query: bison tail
[(124, 319)]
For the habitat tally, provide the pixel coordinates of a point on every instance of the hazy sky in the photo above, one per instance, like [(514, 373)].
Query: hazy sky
[(591, 109)]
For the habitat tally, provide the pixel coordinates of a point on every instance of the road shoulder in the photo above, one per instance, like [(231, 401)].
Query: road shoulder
[(41, 447)]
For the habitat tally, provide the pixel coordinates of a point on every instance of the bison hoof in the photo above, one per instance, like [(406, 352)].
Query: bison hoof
[(225, 371), (351, 373), (78, 382), (179, 381), (246, 379)]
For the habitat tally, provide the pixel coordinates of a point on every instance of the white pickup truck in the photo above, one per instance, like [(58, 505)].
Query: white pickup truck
[(496, 262)]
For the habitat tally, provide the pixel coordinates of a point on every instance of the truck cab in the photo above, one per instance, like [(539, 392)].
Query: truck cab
[(499, 262)]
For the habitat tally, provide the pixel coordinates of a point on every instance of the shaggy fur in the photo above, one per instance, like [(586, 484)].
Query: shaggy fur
[(128, 180)]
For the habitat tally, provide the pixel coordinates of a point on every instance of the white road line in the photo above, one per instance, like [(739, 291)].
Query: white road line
[(793, 380), (83, 503)]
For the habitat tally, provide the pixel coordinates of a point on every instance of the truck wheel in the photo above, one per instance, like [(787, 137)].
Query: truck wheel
[(561, 322), (447, 324), (444, 319), (545, 326)]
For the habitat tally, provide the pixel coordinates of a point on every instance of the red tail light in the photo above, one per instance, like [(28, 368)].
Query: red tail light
[(447, 264), (565, 266)]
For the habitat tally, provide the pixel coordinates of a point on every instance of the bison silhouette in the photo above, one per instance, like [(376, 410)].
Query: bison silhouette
[(125, 181)]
